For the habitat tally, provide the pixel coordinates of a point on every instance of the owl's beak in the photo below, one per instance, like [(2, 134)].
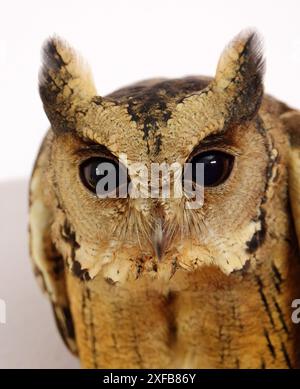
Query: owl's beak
[(158, 239)]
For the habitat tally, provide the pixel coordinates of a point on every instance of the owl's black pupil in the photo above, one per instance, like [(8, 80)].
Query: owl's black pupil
[(95, 169), (217, 167)]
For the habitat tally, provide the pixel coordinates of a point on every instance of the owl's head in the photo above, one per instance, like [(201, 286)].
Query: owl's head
[(215, 122)]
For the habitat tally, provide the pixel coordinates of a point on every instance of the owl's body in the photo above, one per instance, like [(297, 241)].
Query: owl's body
[(148, 283)]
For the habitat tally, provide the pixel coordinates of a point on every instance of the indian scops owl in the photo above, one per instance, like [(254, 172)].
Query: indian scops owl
[(142, 282)]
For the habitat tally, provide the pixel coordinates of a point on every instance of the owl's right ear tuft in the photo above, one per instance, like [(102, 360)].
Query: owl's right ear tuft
[(65, 81), (240, 73)]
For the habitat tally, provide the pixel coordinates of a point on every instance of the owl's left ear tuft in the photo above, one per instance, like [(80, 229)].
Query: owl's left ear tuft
[(65, 81), (240, 74)]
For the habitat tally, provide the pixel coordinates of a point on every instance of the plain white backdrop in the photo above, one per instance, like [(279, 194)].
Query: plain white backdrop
[(128, 40), (124, 41)]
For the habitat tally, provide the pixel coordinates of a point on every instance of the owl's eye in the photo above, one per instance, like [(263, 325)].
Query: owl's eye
[(104, 177), (217, 166)]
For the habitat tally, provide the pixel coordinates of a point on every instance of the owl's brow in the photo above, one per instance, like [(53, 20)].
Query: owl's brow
[(90, 147), (212, 139), (222, 139)]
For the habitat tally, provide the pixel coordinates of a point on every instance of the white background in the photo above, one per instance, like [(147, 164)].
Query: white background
[(123, 41)]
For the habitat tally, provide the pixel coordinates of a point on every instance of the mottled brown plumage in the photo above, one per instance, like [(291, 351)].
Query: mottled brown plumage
[(218, 292)]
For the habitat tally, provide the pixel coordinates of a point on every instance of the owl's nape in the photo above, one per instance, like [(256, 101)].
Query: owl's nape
[(216, 283)]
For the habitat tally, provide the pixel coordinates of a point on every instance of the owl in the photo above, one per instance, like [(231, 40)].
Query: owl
[(152, 282)]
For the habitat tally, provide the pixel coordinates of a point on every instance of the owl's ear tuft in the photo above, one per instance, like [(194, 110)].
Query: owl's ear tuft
[(240, 74), (65, 82)]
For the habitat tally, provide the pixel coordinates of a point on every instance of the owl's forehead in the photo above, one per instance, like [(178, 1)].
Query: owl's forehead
[(155, 97), (150, 103), (135, 118)]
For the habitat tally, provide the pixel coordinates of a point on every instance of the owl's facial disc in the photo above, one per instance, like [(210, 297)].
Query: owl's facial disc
[(194, 120)]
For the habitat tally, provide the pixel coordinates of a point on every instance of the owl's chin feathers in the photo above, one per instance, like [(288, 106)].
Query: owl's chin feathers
[(119, 263)]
